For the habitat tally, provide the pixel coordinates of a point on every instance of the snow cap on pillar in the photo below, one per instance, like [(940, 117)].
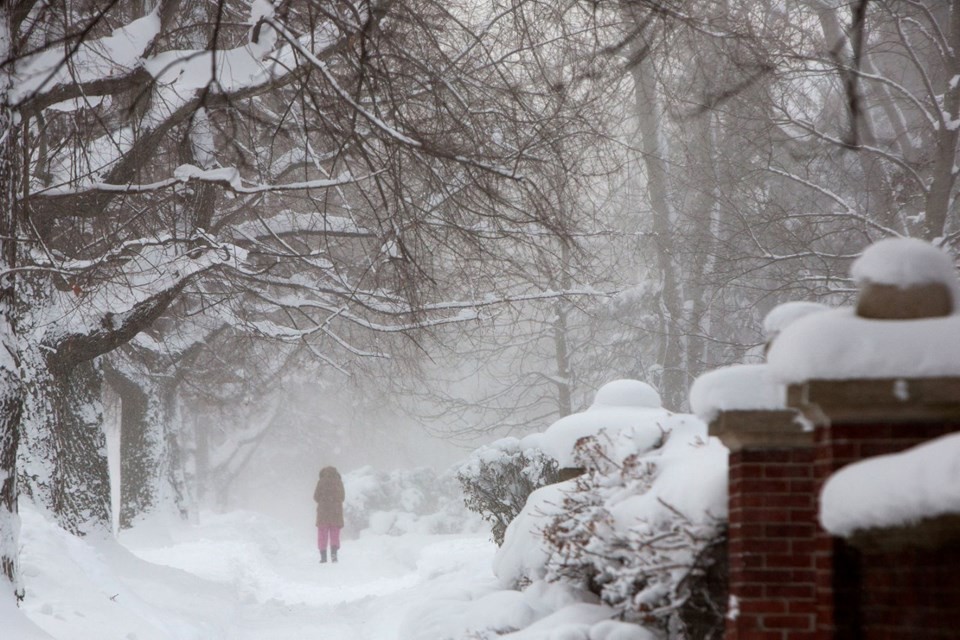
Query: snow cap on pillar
[(906, 323), (905, 279)]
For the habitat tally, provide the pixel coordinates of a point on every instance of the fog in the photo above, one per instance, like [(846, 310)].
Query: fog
[(337, 428)]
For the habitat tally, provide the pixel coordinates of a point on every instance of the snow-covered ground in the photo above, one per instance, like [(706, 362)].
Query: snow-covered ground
[(239, 576)]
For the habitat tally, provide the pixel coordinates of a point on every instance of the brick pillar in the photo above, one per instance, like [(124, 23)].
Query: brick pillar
[(771, 525), (859, 419)]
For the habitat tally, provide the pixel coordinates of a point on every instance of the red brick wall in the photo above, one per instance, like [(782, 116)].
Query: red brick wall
[(910, 593), (793, 581), (772, 513), (878, 595)]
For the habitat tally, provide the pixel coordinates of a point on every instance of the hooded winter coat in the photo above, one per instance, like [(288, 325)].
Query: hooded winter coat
[(329, 498)]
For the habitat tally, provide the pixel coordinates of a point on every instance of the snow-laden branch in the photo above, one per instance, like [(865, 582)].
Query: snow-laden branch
[(141, 248), (100, 316), (321, 66), (275, 331), (96, 60), (374, 119), (181, 82), (282, 333), (810, 128), (288, 222), (387, 304), (227, 177), (847, 209), (937, 36)]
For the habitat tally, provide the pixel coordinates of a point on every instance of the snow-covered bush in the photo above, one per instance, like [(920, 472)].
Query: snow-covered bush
[(642, 528), (644, 569), (404, 501), (497, 479)]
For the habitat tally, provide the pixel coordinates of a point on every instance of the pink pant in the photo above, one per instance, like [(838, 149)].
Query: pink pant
[(325, 533)]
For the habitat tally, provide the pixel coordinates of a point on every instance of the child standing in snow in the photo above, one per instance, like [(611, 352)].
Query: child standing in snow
[(329, 498)]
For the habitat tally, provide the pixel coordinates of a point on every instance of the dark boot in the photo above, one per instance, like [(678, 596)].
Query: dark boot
[(323, 556), (333, 553)]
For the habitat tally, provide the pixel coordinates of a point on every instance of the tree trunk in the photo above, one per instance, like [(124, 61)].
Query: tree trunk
[(63, 455), (940, 197), (200, 454), (151, 463), (80, 490), (702, 241), (63, 458), (172, 487), (137, 456), (672, 381), (561, 341), (11, 391)]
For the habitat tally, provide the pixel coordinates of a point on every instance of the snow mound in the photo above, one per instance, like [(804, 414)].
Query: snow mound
[(92, 588), (746, 387), (839, 345), (893, 490), (787, 313), (627, 393), (691, 479), (903, 262), (14, 622), (540, 609), (622, 405), (523, 556)]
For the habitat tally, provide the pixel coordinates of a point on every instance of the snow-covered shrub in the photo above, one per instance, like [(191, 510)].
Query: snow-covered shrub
[(403, 501), (641, 529), (621, 538), (497, 479)]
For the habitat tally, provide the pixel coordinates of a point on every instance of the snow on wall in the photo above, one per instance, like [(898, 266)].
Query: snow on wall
[(746, 387), (787, 313), (839, 345), (895, 489)]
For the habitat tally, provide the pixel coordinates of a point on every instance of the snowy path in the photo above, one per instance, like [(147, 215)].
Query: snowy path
[(241, 576), (286, 592)]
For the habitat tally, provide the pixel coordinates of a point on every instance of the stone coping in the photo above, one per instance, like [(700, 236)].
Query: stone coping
[(929, 533), (883, 399), (761, 429)]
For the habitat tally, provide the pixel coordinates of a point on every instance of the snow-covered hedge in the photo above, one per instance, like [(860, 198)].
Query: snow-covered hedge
[(497, 479), (640, 528), (404, 501)]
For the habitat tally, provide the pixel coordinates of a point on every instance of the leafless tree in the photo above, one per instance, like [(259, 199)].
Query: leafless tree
[(314, 173)]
